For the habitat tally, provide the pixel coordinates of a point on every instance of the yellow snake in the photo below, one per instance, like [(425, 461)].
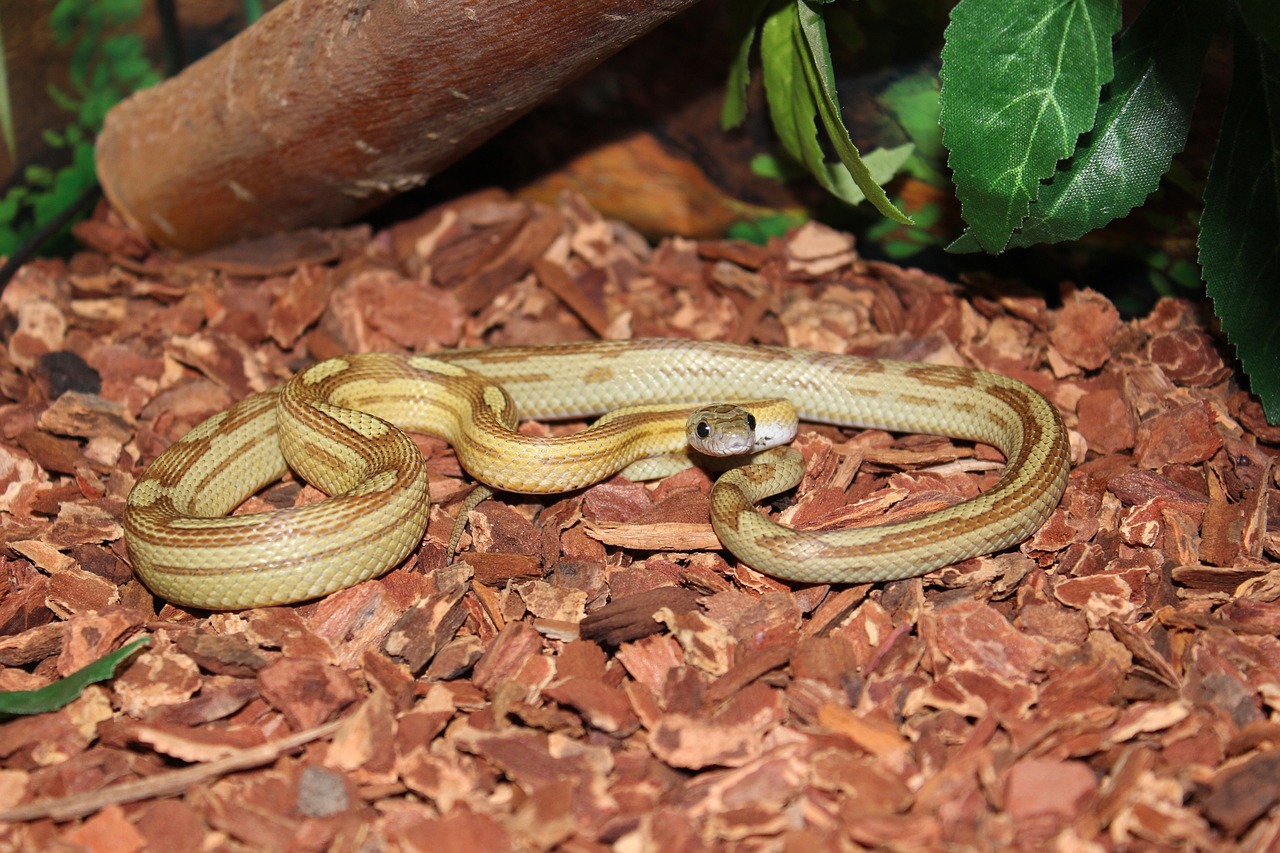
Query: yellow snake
[(328, 423)]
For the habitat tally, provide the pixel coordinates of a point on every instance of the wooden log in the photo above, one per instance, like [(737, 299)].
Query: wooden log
[(323, 109)]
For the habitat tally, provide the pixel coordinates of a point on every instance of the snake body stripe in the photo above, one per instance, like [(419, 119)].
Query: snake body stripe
[(461, 396)]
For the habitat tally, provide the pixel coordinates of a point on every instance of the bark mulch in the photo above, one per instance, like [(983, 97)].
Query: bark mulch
[(594, 672)]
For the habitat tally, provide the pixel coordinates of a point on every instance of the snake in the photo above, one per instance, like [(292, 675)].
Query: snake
[(340, 423)]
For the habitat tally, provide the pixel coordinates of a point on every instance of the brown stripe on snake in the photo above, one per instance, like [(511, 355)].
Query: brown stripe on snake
[(231, 563), (181, 461), (642, 432), (863, 367), (913, 400), (296, 565), (941, 376)]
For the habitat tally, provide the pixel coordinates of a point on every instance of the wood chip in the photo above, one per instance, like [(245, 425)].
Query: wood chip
[(593, 670)]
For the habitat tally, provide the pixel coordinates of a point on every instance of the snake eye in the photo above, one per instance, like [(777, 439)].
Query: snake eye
[(751, 422), (703, 429)]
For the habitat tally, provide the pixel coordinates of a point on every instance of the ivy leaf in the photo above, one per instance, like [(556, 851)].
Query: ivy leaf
[(1142, 123), (53, 696), (1020, 83), (1239, 252)]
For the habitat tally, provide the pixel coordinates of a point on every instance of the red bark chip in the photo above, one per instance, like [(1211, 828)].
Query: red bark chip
[(1107, 684)]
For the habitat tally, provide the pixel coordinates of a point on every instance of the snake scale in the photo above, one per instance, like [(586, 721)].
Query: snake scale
[(332, 424)]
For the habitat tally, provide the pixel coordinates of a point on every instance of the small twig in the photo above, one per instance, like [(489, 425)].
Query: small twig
[(164, 784)]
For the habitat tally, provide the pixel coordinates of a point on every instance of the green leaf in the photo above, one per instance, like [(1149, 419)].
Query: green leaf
[(768, 166), (67, 185), (9, 242), (130, 71), (38, 176), (744, 20), (95, 106), (1239, 252), (1263, 18), (62, 692), (101, 69), (822, 83), (965, 244), (64, 20), (913, 102), (841, 23), (62, 99), (1142, 123), (1020, 83), (120, 12), (10, 204), (762, 229), (793, 105), (800, 87), (880, 165)]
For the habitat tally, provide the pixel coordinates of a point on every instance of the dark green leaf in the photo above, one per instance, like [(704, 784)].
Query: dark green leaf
[(965, 244), (1141, 124), (63, 691), (1020, 83), (793, 107), (768, 166), (68, 183), (62, 99), (913, 102), (760, 230), (744, 20), (37, 175), (800, 88), (119, 12), (95, 106), (10, 204), (822, 83), (845, 27), (64, 18), (1239, 249)]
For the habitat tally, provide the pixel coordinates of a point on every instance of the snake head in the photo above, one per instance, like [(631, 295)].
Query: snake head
[(739, 429)]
